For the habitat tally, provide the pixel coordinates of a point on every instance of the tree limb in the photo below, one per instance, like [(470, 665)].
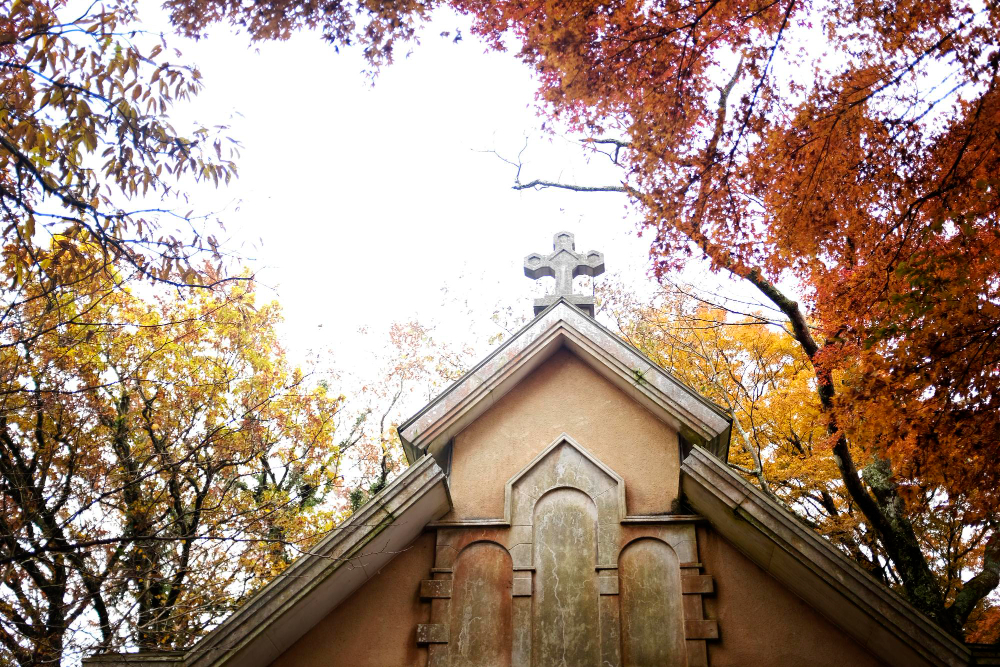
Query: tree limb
[(541, 185)]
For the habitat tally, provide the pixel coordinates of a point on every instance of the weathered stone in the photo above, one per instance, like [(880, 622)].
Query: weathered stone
[(611, 638), (566, 463), (521, 553), (437, 655), (481, 607), (522, 586), (697, 652), (607, 585), (701, 629), (564, 264), (435, 588), (566, 628), (522, 632), (694, 584), (651, 609), (432, 633)]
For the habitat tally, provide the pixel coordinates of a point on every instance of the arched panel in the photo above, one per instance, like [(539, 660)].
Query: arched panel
[(566, 629), (651, 606), (481, 630)]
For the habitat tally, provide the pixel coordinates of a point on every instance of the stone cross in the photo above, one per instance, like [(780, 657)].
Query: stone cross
[(564, 264)]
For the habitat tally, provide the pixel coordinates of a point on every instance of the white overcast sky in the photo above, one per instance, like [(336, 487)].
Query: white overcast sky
[(360, 205)]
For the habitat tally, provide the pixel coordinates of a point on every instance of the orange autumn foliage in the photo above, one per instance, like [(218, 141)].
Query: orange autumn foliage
[(757, 370), (847, 149)]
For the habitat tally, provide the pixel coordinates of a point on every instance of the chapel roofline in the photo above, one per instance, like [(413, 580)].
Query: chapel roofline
[(564, 326), (816, 571)]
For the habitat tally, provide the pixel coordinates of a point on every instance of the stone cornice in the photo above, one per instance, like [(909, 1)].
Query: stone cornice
[(564, 326), (813, 569)]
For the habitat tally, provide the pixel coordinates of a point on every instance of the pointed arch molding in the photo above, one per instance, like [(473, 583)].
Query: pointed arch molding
[(572, 551), (564, 463)]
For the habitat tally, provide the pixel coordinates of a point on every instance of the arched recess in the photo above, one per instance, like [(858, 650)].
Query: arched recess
[(566, 625), (481, 629), (565, 463), (652, 613)]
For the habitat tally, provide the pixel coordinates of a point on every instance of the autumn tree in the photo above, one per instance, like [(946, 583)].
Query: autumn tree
[(745, 360), (869, 185), (412, 368), (839, 157), (159, 458), (86, 143)]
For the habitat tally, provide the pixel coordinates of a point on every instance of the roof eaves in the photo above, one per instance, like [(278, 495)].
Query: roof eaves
[(812, 568), (511, 352), (475, 369)]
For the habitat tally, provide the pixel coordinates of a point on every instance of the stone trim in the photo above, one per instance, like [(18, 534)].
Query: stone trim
[(468, 523), (564, 438), (697, 629), (140, 659), (608, 585), (662, 518), (522, 587), (654, 519), (432, 633), (435, 588), (812, 568), (697, 584), (701, 629), (563, 325)]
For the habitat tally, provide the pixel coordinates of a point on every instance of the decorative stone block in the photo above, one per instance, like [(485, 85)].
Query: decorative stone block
[(444, 556), (521, 654), (686, 550), (432, 633), (701, 629), (611, 639), (607, 585), (438, 655), (521, 587), (519, 535), (697, 584), (697, 653), (435, 588), (521, 554), (692, 607), (608, 539)]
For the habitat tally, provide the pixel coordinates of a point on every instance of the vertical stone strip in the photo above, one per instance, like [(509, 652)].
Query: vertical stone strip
[(523, 585), (438, 591), (611, 639)]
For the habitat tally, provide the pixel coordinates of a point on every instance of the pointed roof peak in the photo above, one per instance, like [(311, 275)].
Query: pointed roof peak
[(563, 325)]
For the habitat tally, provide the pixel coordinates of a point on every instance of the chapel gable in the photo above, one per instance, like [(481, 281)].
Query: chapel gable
[(568, 503), (563, 395)]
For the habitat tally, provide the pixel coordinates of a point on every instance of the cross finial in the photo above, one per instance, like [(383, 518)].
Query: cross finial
[(564, 264)]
